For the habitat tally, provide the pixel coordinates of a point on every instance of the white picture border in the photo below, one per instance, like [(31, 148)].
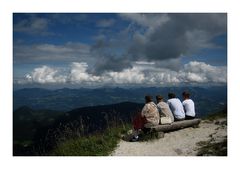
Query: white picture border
[(7, 7)]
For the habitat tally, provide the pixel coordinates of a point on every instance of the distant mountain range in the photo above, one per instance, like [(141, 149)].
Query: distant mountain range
[(207, 99)]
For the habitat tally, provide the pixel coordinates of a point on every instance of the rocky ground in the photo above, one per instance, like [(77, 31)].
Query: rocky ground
[(209, 139)]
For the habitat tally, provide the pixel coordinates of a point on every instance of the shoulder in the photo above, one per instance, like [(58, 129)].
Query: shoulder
[(191, 101), (177, 100), (188, 101), (146, 105), (152, 104), (161, 104), (164, 103)]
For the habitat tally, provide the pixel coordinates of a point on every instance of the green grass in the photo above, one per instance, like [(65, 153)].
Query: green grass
[(100, 144)]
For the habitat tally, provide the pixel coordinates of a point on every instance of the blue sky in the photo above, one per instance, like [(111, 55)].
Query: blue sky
[(98, 49)]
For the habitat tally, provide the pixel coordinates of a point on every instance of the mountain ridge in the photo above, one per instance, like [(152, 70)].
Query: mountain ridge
[(66, 99)]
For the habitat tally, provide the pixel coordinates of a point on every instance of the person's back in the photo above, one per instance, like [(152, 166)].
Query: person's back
[(148, 117), (165, 110), (166, 116), (176, 107), (150, 112), (189, 106)]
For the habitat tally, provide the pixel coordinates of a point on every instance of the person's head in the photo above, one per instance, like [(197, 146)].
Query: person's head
[(171, 95), (159, 98), (148, 98), (186, 95)]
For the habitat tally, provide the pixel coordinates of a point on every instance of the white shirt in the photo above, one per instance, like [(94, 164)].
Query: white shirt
[(189, 107), (177, 108)]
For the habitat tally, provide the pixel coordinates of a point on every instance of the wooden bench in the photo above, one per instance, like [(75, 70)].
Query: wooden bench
[(159, 130), (174, 126)]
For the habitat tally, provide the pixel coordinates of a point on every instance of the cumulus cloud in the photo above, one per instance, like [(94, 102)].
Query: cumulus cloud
[(159, 38), (142, 73), (45, 75), (191, 73), (79, 73), (202, 72), (127, 76)]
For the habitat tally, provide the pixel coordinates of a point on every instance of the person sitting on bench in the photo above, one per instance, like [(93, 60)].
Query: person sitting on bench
[(166, 116), (188, 105), (147, 118), (176, 107)]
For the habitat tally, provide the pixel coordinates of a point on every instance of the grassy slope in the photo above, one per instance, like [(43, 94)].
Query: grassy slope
[(100, 144)]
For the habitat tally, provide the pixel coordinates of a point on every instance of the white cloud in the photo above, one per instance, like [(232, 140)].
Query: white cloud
[(78, 73), (191, 73), (127, 76), (202, 72), (142, 73), (45, 75)]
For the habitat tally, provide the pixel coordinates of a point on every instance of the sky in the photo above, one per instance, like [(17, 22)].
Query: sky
[(119, 49)]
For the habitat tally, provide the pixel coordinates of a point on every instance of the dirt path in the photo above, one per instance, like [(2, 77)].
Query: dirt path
[(177, 143)]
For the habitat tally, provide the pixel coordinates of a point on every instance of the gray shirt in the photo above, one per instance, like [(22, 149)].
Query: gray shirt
[(164, 110)]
